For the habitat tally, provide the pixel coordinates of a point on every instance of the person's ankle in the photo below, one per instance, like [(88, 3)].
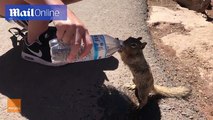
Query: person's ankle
[(32, 37), (30, 41)]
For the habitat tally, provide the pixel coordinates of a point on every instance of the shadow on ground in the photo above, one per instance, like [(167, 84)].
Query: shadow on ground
[(118, 106), (71, 92)]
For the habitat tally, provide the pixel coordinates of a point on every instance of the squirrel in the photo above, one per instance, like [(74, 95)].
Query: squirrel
[(132, 55)]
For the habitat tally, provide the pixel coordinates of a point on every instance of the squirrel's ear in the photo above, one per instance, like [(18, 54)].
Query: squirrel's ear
[(143, 45), (139, 38)]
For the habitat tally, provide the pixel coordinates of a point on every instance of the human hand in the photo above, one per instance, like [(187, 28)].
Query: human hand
[(73, 32)]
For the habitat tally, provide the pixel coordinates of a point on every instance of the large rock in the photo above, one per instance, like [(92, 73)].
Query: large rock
[(197, 5)]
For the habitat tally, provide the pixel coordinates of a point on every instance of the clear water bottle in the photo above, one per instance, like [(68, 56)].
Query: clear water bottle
[(103, 47)]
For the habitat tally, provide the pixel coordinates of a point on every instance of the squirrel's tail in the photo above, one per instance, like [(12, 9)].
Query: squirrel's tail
[(171, 91)]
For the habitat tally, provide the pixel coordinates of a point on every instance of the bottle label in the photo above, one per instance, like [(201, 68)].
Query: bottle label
[(98, 51), (99, 47)]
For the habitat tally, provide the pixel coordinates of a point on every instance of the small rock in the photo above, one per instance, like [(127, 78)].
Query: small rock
[(167, 107), (211, 113), (191, 117)]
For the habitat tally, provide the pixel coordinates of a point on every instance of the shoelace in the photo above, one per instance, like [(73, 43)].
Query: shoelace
[(17, 36), (17, 33)]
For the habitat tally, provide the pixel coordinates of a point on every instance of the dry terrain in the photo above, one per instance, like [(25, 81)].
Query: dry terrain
[(179, 53)]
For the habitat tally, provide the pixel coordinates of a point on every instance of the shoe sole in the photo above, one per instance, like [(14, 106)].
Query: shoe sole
[(31, 58)]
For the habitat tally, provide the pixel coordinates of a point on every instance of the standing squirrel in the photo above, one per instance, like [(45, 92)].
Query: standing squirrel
[(132, 55)]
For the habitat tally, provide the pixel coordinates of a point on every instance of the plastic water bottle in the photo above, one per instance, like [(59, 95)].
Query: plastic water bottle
[(104, 46)]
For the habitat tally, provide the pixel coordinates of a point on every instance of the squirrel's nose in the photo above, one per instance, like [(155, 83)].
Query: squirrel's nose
[(121, 48)]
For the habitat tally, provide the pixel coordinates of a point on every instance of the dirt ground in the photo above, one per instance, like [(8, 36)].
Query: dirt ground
[(179, 53), (185, 39)]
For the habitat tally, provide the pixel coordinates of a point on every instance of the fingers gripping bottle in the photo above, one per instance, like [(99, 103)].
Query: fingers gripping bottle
[(103, 47)]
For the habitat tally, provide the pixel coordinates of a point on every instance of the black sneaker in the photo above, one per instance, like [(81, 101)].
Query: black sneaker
[(39, 51)]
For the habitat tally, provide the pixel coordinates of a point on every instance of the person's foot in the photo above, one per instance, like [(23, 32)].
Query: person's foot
[(39, 51)]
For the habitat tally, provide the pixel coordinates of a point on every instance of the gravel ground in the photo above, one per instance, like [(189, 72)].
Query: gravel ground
[(184, 42)]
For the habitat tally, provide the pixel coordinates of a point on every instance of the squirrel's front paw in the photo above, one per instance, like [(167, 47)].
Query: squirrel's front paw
[(129, 86)]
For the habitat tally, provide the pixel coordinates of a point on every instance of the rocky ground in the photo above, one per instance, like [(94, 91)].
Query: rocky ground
[(184, 39), (179, 53)]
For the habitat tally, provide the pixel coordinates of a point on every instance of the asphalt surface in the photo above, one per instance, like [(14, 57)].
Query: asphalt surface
[(77, 91)]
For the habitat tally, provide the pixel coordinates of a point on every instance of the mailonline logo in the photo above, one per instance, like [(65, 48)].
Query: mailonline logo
[(35, 12), (15, 12)]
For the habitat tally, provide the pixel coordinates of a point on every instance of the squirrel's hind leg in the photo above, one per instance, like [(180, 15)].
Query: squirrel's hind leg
[(142, 97)]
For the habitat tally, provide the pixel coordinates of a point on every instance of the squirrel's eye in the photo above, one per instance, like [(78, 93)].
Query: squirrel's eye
[(134, 45)]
